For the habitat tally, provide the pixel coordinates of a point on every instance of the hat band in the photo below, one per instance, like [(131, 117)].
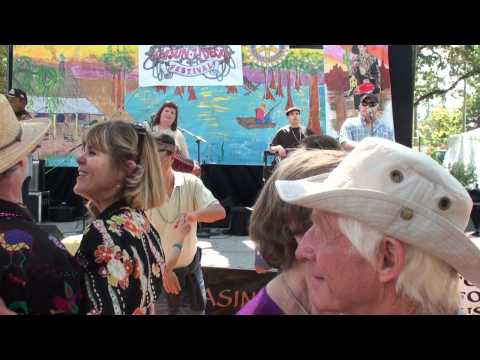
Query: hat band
[(17, 138)]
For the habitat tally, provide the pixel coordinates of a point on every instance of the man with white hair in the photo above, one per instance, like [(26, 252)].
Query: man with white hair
[(387, 234)]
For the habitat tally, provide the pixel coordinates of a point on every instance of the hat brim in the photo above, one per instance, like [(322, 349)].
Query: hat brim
[(426, 230), (32, 134)]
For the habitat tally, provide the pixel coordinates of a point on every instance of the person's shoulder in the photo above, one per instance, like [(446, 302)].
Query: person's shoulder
[(285, 128), (188, 178), (28, 236)]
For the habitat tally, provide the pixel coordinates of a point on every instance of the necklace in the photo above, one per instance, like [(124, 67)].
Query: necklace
[(295, 136), (165, 220), (292, 295)]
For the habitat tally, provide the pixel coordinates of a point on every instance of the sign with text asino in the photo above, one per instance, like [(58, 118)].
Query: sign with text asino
[(190, 65)]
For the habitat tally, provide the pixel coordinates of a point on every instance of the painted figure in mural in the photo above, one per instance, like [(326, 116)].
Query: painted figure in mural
[(394, 245), (37, 274), (166, 121), (188, 202), (290, 136), (121, 253), (18, 100), (276, 227), (367, 124), (364, 68), (260, 116), (61, 64)]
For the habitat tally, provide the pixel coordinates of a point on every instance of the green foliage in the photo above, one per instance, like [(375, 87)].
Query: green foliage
[(118, 60), (465, 175), (439, 68), (439, 125), (3, 68), (40, 80)]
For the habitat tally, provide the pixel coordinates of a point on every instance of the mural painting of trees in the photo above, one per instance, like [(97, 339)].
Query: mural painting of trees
[(337, 81), (279, 91), (231, 90), (39, 80), (119, 62), (191, 93), (287, 64), (179, 91)]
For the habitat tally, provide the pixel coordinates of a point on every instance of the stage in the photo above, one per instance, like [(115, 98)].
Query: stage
[(220, 251)]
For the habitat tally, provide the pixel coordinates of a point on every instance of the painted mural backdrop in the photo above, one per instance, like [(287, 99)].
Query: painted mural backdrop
[(77, 86), (351, 70)]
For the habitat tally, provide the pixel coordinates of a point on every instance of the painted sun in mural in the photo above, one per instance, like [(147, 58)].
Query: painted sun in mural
[(267, 55)]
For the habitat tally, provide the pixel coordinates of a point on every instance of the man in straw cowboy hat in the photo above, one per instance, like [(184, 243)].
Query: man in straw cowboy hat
[(387, 234), (37, 275)]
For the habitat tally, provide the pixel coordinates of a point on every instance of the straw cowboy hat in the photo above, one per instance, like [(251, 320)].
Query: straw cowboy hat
[(400, 192), (17, 139)]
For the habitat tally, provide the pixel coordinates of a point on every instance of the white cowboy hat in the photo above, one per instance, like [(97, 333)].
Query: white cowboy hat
[(17, 139), (400, 192)]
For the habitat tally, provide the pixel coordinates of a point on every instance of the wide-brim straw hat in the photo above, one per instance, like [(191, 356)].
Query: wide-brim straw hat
[(17, 138), (401, 193)]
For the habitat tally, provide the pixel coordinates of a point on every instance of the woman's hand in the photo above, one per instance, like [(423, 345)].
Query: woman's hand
[(170, 282)]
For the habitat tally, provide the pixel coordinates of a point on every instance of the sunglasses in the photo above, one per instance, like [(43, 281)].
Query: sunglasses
[(369, 103)]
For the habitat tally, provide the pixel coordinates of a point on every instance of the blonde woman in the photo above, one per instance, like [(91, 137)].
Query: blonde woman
[(121, 253)]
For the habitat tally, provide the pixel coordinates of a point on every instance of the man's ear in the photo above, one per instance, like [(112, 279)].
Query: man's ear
[(131, 166), (391, 259)]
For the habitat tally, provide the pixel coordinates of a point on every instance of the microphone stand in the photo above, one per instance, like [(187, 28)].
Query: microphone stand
[(198, 140)]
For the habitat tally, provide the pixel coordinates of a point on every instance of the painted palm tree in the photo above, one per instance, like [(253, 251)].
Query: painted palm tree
[(311, 63), (119, 62)]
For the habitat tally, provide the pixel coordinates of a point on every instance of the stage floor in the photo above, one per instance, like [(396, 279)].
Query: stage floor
[(222, 251)]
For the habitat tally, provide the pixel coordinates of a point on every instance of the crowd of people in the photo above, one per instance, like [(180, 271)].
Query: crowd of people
[(359, 225)]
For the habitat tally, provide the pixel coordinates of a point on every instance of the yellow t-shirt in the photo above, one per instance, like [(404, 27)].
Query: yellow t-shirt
[(189, 194)]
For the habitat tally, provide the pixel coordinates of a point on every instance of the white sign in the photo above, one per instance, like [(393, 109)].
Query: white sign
[(190, 65)]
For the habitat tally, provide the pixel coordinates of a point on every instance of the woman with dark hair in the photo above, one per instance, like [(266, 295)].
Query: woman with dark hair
[(276, 228), (166, 121)]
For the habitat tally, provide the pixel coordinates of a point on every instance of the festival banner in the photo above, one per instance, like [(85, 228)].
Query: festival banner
[(190, 65)]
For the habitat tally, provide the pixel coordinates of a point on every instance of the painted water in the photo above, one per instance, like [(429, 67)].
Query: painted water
[(213, 116)]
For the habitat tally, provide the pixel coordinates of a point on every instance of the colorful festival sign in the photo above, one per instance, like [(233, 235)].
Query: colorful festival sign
[(190, 65)]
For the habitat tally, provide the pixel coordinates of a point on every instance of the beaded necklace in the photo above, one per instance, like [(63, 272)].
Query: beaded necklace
[(165, 220)]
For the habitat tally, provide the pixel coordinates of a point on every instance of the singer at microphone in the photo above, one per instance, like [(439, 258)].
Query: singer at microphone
[(367, 124), (166, 121)]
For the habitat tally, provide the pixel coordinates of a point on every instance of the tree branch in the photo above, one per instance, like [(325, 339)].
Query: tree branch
[(438, 92)]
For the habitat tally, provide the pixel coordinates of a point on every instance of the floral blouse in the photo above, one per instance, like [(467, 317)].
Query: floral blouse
[(122, 257), (37, 274)]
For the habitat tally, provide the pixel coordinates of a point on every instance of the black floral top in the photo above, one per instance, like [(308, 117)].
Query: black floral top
[(122, 257), (37, 274)]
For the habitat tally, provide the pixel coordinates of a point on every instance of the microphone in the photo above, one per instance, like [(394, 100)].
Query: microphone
[(198, 138), (370, 114)]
